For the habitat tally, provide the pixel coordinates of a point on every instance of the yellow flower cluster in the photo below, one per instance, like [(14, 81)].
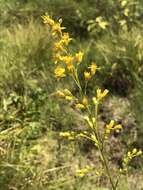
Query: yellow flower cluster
[(70, 135), (99, 95), (101, 22), (83, 104), (60, 72), (92, 70), (124, 5), (56, 26), (130, 155), (67, 62), (66, 94), (84, 171), (110, 127)]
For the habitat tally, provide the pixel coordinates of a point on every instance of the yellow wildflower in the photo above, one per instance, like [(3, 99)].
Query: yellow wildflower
[(94, 99), (123, 3), (100, 94), (60, 94), (60, 72), (68, 94), (87, 75), (69, 135), (58, 46), (57, 29), (66, 39), (79, 106), (126, 12), (70, 67), (85, 101), (79, 57), (84, 171), (129, 156), (67, 59), (111, 126), (48, 20), (103, 24), (93, 68)]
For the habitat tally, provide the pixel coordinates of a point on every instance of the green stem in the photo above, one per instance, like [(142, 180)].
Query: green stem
[(76, 79), (101, 149)]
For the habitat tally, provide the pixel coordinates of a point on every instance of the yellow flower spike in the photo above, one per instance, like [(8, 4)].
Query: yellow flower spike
[(59, 72), (93, 68), (100, 94), (48, 20), (87, 75), (79, 57)]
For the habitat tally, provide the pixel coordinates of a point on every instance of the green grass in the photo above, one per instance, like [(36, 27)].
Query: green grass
[(32, 156)]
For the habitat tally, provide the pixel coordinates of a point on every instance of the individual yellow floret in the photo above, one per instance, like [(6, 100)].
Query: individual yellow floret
[(79, 57), (87, 75), (80, 106), (93, 68), (66, 39), (60, 72), (100, 94), (110, 127)]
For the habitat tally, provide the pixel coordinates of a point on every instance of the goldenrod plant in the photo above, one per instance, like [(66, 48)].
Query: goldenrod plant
[(67, 64)]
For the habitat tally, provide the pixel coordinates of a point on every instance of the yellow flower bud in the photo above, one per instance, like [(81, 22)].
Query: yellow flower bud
[(60, 94), (66, 39), (85, 101), (78, 57), (93, 68), (87, 75), (94, 99), (80, 106), (48, 20), (100, 94)]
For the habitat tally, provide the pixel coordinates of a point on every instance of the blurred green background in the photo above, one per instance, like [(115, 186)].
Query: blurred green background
[(32, 156)]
